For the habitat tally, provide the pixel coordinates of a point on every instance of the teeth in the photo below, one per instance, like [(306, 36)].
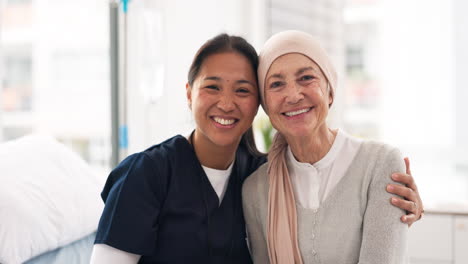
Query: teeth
[(224, 121), (297, 112)]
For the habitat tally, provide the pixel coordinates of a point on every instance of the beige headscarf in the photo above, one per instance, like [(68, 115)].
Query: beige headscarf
[(282, 241)]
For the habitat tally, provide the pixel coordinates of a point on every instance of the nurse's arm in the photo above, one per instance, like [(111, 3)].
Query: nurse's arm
[(412, 202), (103, 253)]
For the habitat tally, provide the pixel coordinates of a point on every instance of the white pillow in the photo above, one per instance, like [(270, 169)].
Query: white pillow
[(49, 197)]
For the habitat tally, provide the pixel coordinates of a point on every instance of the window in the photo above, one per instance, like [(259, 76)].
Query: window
[(404, 86), (16, 94), (54, 58)]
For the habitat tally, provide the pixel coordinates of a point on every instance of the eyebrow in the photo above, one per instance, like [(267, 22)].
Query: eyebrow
[(212, 78), (244, 81), (299, 72), (276, 75), (216, 78), (302, 70)]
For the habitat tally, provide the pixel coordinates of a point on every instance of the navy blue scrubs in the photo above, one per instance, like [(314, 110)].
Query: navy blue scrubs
[(160, 204)]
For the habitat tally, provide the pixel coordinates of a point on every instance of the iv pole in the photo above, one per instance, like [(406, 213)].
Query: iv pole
[(118, 81)]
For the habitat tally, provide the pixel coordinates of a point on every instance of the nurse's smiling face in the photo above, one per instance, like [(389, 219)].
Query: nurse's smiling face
[(224, 98)]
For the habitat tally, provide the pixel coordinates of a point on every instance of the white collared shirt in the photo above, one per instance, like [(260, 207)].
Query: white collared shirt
[(312, 183)]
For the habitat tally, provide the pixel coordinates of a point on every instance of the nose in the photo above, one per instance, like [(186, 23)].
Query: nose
[(294, 94), (226, 103)]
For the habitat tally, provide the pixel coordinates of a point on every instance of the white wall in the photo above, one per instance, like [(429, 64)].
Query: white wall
[(417, 73), (460, 21), (423, 75), (186, 26), (439, 239), (70, 68), (2, 3)]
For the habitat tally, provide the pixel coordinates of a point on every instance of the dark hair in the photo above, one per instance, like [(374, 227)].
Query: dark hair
[(219, 44), (227, 43)]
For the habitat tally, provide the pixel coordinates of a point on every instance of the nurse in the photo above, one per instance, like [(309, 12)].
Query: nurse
[(180, 201)]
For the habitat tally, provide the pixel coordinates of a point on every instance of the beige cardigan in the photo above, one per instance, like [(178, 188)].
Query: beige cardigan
[(355, 224)]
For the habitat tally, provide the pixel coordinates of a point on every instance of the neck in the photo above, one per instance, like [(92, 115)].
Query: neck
[(211, 155), (312, 148)]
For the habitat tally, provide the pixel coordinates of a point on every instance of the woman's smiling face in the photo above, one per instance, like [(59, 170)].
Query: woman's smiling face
[(296, 95), (224, 98)]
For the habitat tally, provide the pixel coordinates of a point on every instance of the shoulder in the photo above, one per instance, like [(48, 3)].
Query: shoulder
[(147, 170), (258, 177), (132, 175), (177, 145), (256, 184), (382, 159), (378, 151), (248, 162), (155, 158), (134, 166), (171, 154)]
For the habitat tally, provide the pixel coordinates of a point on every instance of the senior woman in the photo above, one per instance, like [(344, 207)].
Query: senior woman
[(321, 197)]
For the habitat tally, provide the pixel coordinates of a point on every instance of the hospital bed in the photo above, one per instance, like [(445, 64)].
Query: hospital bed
[(49, 203), (78, 252)]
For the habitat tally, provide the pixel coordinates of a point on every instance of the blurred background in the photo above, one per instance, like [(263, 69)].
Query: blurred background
[(402, 67)]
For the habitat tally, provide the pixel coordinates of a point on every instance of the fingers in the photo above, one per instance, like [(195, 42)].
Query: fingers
[(409, 219), (403, 191), (409, 206), (411, 209), (414, 206), (405, 179), (407, 163)]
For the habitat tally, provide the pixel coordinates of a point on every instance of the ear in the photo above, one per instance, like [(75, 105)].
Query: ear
[(188, 90), (331, 95)]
